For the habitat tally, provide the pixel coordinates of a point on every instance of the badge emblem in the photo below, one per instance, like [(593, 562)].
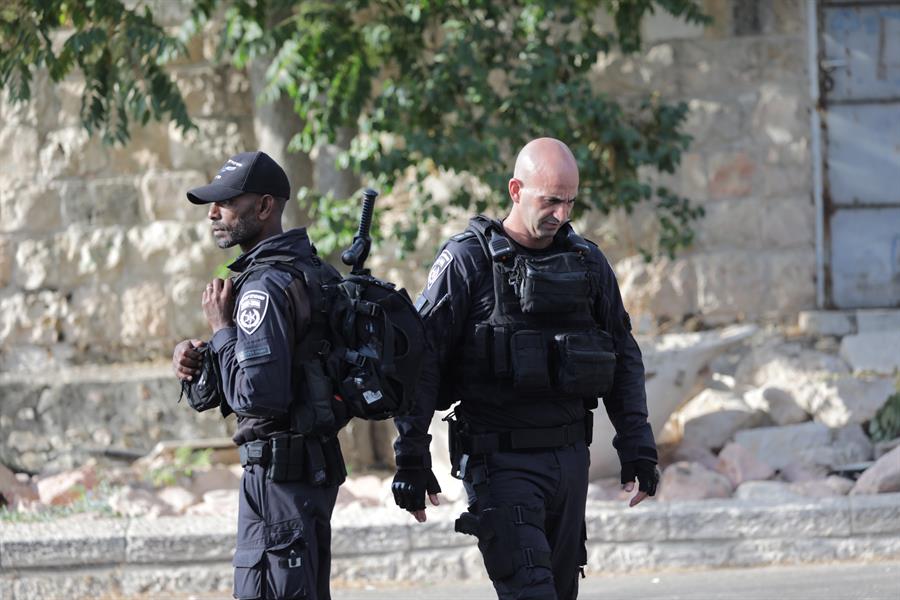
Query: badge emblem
[(252, 310), (440, 265)]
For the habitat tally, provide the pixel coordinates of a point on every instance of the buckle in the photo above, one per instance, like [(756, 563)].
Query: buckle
[(520, 518), (355, 358)]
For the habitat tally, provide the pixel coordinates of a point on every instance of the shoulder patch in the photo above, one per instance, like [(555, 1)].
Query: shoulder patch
[(461, 237), (252, 310), (440, 265)]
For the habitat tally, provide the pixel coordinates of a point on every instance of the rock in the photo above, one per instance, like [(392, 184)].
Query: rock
[(740, 465), (882, 448), (64, 488), (877, 351), (810, 447), (692, 481), (713, 416), (798, 472), (882, 477), (15, 490), (852, 400), (778, 403), (162, 195), (822, 488), (672, 364), (827, 322), (178, 498), (214, 478), (138, 502), (688, 451), (766, 491), (871, 320)]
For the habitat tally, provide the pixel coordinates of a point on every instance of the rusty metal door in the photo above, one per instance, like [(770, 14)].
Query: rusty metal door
[(860, 92)]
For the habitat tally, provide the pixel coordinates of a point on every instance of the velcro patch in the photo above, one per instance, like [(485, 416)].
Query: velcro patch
[(440, 265), (252, 310), (253, 351)]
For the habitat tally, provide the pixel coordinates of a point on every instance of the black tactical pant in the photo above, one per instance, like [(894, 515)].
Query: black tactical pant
[(530, 513), (284, 538)]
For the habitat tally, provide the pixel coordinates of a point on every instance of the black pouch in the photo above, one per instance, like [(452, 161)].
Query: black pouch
[(365, 396), (557, 283), (585, 363), (316, 412), (204, 392), (529, 361), (498, 542), (500, 359)]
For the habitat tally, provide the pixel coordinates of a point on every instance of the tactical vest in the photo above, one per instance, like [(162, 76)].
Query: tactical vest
[(541, 341)]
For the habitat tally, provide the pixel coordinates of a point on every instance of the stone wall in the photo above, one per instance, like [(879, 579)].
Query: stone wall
[(102, 260)]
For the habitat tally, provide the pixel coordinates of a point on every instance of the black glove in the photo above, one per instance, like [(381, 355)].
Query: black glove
[(410, 485), (646, 472)]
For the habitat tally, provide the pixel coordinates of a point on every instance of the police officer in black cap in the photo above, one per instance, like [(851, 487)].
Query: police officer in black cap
[(262, 322), (528, 330)]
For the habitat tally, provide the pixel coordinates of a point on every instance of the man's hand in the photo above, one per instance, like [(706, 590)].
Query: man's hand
[(647, 474), (218, 304), (186, 360), (409, 489)]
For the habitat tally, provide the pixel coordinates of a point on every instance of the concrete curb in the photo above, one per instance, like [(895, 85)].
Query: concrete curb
[(91, 557)]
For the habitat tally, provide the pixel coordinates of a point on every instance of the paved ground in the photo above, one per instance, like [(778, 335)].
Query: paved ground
[(876, 581)]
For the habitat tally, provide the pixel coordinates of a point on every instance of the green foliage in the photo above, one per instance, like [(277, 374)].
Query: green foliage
[(120, 52), (459, 86), (184, 464), (885, 425), (426, 86)]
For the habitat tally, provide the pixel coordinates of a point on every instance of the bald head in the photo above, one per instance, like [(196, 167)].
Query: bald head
[(543, 189), (543, 158)]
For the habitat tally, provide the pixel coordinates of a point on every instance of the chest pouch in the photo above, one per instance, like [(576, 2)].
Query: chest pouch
[(557, 283), (530, 370), (585, 363)]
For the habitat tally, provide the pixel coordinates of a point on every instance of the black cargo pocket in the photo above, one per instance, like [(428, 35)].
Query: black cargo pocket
[(529, 360), (287, 564), (248, 574), (498, 543), (585, 363)]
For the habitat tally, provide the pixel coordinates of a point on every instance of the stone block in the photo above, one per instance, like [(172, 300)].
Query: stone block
[(375, 539), (440, 564), (99, 203), (766, 491), (172, 581), (875, 351), (764, 552), (686, 555), (726, 282), (876, 320), (731, 175), (54, 583), (705, 67), (645, 522), (882, 477), (29, 207), (379, 567), (787, 223), (72, 152), (822, 488), (31, 318), (731, 224), (19, 147), (826, 517), (780, 181), (780, 116), (65, 488), (827, 322), (713, 124), (163, 196), (791, 282), (211, 91), (875, 514), (180, 539), (74, 256), (207, 148), (621, 557), (93, 321), (63, 543)]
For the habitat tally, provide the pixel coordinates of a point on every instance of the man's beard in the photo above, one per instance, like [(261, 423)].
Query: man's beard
[(241, 232)]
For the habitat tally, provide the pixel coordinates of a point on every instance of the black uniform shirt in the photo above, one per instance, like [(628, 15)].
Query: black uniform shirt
[(255, 356), (458, 294)]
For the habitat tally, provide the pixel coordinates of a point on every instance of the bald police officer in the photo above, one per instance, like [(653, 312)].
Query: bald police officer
[(262, 323), (528, 330)]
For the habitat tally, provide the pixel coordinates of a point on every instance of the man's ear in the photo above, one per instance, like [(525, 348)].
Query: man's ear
[(515, 189), (266, 207)]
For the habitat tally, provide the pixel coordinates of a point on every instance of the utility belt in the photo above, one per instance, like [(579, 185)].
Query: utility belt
[(297, 458), (464, 443)]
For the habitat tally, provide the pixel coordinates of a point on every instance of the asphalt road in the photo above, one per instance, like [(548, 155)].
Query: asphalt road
[(839, 581)]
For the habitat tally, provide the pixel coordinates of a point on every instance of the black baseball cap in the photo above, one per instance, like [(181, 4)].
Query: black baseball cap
[(247, 172)]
